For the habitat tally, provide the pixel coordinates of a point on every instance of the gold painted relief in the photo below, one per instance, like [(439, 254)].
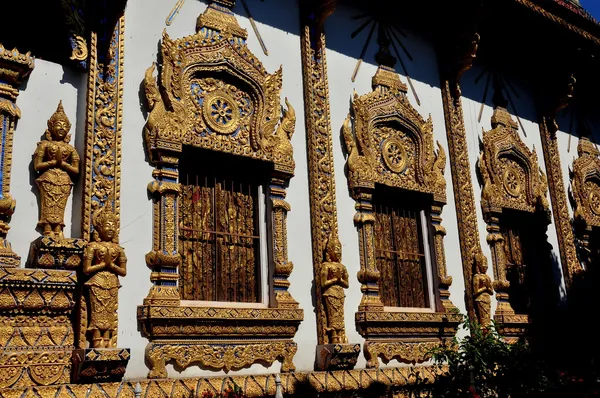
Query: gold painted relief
[(390, 144), (585, 195), (213, 94), (512, 181)]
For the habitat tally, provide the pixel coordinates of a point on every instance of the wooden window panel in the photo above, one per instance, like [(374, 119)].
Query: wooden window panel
[(400, 257), (219, 240)]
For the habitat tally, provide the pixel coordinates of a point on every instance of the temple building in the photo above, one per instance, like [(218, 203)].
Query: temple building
[(200, 194)]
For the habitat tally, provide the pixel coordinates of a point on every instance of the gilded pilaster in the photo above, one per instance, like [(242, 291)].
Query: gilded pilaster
[(97, 315), (323, 209), (103, 128), (462, 185), (558, 197), (14, 69)]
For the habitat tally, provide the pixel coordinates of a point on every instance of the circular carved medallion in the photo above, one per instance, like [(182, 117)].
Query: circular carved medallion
[(221, 112), (394, 154), (511, 182), (594, 199)]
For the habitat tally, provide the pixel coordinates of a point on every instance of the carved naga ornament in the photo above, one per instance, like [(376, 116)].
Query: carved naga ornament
[(511, 175), (215, 94)]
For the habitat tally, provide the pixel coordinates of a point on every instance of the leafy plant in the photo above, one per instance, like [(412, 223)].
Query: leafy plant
[(482, 364)]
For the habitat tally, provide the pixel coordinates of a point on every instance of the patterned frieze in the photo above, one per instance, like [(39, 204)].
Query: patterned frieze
[(251, 385), (36, 329)]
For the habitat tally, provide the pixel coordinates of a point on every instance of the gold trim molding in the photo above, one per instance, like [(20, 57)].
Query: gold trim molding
[(253, 386), (14, 70), (389, 143), (215, 67)]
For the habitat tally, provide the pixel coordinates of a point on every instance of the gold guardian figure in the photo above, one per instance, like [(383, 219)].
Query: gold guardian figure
[(57, 162), (104, 261)]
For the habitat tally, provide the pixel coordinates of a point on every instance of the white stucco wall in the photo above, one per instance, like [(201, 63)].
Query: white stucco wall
[(342, 54), (48, 84)]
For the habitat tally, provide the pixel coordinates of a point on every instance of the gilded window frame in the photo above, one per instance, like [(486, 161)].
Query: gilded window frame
[(503, 142), (404, 335), (217, 337)]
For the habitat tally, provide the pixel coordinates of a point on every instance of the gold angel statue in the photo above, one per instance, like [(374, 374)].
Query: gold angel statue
[(334, 279), (482, 291), (104, 261), (58, 162)]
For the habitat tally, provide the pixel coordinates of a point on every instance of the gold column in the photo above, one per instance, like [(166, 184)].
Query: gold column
[(14, 69), (323, 208), (464, 199), (558, 196)]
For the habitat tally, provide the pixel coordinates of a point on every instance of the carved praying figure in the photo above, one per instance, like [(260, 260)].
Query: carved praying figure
[(334, 279), (104, 261), (58, 163), (482, 291)]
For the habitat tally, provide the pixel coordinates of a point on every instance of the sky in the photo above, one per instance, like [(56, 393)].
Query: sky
[(593, 6)]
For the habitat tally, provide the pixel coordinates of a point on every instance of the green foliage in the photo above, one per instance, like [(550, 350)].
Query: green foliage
[(483, 365)]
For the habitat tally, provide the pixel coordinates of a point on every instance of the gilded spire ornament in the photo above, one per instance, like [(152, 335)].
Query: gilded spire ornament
[(57, 163)]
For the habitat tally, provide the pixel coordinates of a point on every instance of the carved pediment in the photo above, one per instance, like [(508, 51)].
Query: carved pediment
[(510, 171), (391, 143), (213, 93), (585, 183)]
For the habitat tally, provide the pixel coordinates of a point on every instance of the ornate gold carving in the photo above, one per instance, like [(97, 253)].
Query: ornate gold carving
[(511, 176), (461, 179), (562, 220), (256, 385), (58, 163), (334, 279), (104, 365), (103, 262), (219, 356), (103, 129), (73, 12), (337, 356), (391, 144), (482, 291), (394, 154), (36, 332), (512, 179), (405, 352), (321, 174), (212, 93), (585, 193), (407, 148), (14, 69)]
